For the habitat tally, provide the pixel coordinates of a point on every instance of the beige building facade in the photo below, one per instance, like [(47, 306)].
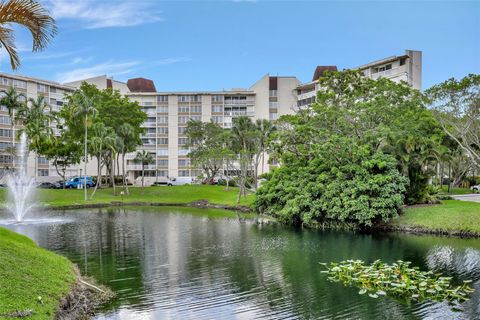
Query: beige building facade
[(168, 112)]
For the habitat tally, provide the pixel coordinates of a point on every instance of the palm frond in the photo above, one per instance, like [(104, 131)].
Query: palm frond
[(7, 39), (31, 15)]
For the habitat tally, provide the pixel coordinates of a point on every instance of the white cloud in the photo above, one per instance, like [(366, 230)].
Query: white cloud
[(109, 68), (172, 60), (104, 14)]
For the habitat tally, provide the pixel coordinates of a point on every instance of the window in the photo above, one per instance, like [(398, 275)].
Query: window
[(146, 141), (162, 173), (273, 116), (19, 84), (5, 81), (183, 119), (181, 130), (183, 109), (162, 109), (162, 130), (53, 90), (150, 120), (43, 172), (273, 104), (402, 61), (5, 133), (42, 160), (162, 119), (5, 145), (182, 141), (388, 67), (196, 109), (6, 159), (147, 103), (42, 88), (217, 98), (183, 173), (196, 118), (273, 93), (162, 152), (5, 120), (183, 152), (150, 131), (162, 140), (217, 119), (217, 108), (183, 162), (162, 163), (162, 98)]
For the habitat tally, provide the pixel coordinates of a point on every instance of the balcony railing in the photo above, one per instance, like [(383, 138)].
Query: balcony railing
[(388, 73), (139, 167)]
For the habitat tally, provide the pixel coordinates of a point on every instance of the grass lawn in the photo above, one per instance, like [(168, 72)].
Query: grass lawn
[(456, 190), (161, 194), (451, 215), (28, 272)]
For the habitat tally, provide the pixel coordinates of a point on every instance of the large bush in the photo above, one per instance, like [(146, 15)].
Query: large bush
[(343, 183)]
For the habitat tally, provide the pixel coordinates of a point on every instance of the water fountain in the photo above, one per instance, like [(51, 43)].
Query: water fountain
[(21, 188)]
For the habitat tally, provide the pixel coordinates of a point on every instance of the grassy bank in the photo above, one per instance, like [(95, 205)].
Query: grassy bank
[(31, 278), (455, 191), (451, 216), (163, 194)]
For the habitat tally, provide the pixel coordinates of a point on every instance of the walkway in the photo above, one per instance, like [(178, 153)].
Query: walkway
[(475, 197)]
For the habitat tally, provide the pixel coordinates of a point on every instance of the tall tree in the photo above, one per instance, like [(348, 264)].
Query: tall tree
[(127, 134), (83, 106), (264, 130), (36, 124), (34, 17), (101, 137), (243, 144), (144, 158), (457, 106), (206, 142), (13, 101)]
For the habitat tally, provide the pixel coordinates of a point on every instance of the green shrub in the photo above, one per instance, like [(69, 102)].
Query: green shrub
[(343, 182)]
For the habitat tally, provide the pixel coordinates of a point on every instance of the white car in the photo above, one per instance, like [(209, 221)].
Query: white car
[(475, 188), (180, 181)]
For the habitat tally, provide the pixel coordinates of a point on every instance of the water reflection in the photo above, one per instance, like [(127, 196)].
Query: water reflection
[(166, 264)]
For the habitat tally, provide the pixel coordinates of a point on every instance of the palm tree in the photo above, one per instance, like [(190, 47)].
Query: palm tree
[(84, 106), (101, 138), (36, 125), (144, 158), (127, 135), (13, 101), (111, 144), (264, 129), (34, 17)]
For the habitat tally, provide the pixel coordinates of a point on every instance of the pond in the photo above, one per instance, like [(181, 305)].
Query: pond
[(178, 263)]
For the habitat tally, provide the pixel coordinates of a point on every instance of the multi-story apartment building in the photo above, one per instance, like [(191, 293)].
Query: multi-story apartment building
[(407, 68), (168, 112)]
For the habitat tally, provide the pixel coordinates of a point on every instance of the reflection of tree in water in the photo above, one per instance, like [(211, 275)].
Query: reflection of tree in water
[(163, 263), (462, 264)]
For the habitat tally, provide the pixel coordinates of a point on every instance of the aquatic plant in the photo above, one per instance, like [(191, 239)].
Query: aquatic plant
[(398, 280)]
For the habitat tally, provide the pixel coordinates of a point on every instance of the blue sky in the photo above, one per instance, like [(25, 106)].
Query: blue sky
[(214, 45)]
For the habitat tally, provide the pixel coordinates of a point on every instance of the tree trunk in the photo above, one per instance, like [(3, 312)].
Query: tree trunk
[(99, 174), (85, 172), (143, 177), (123, 173), (112, 173)]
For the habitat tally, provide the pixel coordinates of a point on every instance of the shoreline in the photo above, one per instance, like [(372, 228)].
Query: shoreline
[(205, 204)]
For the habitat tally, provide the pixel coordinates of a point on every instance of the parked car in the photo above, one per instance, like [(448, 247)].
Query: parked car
[(78, 182), (475, 188), (48, 185)]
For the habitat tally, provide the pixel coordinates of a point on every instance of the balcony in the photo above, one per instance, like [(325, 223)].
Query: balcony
[(138, 167), (390, 73), (238, 113), (306, 95)]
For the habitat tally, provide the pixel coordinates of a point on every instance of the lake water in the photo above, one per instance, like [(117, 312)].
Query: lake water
[(168, 263)]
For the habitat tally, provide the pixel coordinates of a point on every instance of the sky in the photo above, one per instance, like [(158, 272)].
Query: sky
[(215, 45)]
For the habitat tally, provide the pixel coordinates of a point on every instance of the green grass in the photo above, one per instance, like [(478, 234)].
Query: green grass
[(163, 194), (450, 216), (28, 272), (456, 190)]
